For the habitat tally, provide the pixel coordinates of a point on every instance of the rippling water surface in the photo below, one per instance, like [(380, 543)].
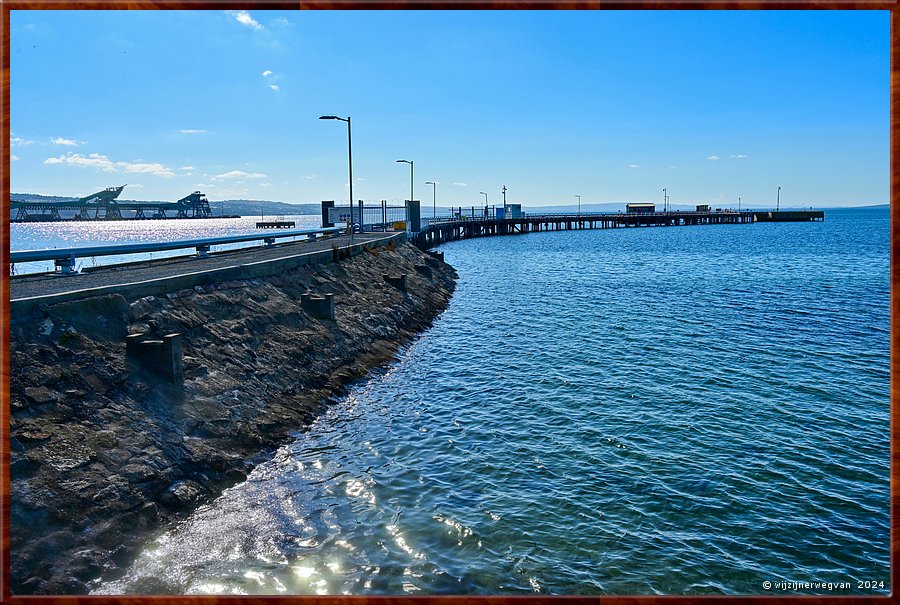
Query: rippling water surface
[(683, 410)]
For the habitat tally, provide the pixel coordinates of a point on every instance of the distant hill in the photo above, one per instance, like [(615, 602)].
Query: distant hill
[(241, 207)]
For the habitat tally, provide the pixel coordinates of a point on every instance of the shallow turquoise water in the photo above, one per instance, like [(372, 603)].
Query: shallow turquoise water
[(684, 410)]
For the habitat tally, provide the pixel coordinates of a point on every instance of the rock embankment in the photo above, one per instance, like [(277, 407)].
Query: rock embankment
[(104, 451)]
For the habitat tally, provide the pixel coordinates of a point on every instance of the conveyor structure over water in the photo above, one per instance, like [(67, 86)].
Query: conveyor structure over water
[(102, 206)]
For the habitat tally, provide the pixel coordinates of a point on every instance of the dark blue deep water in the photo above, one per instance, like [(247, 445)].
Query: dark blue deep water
[(656, 410)]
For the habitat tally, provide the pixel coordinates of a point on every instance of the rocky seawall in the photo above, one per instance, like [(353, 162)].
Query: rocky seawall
[(106, 448)]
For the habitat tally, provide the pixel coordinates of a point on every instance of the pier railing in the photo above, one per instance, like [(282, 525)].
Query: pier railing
[(65, 258)]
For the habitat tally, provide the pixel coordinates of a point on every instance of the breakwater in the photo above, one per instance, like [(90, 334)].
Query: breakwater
[(107, 445)]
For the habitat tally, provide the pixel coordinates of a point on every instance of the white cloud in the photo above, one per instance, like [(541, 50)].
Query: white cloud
[(713, 157), (267, 73), (62, 141), (13, 157), (136, 185), (192, 131), (266, 185), (633, 166), (102, 162), (461, 184), (239, 174), (673, 166), (187, 168), (244, 18), (282, 21), (738, 156), (15, 141), (273, 87), (309, 177)]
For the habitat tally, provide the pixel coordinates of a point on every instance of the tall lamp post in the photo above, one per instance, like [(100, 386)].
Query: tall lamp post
[(778, 201), (485, 197), (350, 163), (410, 162), (665, 201), (579, 204), (739, 203), (433, 197)]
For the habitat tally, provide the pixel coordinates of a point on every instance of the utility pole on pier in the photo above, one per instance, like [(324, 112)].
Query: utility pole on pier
[(579, 204), (739, 203), (665, 200), (778, 201), (504, 196)]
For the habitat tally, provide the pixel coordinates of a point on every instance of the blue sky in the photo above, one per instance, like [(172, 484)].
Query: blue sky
[(609, 105)]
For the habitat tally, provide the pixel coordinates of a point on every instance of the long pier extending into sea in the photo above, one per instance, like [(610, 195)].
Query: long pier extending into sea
[(439, 231)]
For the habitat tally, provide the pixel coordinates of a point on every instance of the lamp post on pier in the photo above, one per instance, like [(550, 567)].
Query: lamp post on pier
[(665, 201), (778, 201), (350, 164), (433, 198), (410, 162), (579, 204)]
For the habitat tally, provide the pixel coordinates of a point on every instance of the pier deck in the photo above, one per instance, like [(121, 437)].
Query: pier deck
[(441, 231)]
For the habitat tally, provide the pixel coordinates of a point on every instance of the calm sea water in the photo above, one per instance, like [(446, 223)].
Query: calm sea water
[(685, 410), (74, 234)]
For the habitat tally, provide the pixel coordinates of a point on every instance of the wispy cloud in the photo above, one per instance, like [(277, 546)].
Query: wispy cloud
[(266, 185), (267, 73), (15, 141), (738, 156), (282, 21), (193, 131), (309, 177), (713, 157), (244, 18), (461, 184), (239, 174), (633, 166), (136, 186), (103, 163), (13, 157), (274, 87), (187, 168), (673, 166), (62, 141)]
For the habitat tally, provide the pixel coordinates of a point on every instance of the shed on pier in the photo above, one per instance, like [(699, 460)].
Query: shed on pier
[(702, 207), (640, 208)]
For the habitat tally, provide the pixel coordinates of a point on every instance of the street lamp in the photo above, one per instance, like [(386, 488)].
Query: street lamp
[(433, 197), (410, 162), (350, 163), (778, 202), (579, 204), (665, 201), (485, 197), (739, 203)]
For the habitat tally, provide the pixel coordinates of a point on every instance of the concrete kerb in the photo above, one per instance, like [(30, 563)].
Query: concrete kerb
[(165, 285)]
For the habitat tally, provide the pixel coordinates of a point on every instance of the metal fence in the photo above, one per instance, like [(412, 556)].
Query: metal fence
[(65, 258)]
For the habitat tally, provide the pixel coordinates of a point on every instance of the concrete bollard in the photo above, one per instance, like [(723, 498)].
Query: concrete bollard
[(399, 282), (320, 307), (164, 357)]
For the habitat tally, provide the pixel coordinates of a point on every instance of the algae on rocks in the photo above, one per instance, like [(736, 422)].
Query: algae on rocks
[(104, 451)]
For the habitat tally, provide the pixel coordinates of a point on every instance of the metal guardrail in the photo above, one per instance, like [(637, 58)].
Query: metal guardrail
[(65, 257)]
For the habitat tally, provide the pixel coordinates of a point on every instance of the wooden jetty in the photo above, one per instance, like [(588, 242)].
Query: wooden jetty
[(445, 230), (275, 224)]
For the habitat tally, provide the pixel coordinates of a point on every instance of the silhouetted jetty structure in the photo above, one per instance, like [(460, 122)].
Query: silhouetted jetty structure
[(103, 206), (275, 224)]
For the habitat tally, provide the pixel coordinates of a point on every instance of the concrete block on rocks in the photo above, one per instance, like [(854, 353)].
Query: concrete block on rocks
[(399, 282), (424, 270), (320, 307), (164, 357)]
